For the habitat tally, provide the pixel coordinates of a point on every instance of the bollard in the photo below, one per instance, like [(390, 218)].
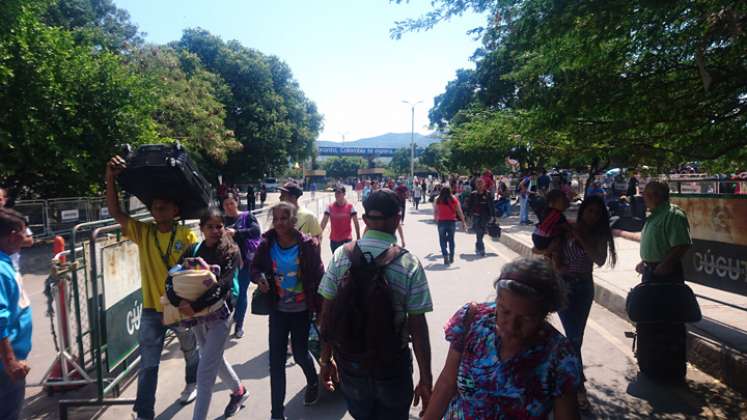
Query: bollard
[(58, 246)]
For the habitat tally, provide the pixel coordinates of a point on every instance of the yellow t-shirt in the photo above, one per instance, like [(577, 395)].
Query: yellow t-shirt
[(153, 270), (307, 222)]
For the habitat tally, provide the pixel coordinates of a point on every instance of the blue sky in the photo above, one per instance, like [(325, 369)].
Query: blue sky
[(339, 51)]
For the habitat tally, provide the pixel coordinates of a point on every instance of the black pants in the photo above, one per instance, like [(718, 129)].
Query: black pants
[(297, 324)]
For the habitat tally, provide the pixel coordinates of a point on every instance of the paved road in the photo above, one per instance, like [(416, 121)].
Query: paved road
[(615, 390)]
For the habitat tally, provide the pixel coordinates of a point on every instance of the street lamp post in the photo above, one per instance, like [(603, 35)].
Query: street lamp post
[(412, 138)]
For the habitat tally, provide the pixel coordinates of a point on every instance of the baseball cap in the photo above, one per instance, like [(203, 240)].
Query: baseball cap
[(382, 204), (291, 188)]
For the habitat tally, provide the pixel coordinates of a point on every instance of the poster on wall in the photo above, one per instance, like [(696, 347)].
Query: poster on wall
[(718, 225)]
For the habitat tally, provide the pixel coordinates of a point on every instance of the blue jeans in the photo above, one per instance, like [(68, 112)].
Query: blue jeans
[(446, 231), (523, 209), (12, 395), (297, 324), (478, 226), (503, 207), (574, 317), (152, 334), (242, 302), (368, 398), (333, 245)]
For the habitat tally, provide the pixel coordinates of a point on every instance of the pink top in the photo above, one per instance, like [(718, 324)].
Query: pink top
[(339, 217)]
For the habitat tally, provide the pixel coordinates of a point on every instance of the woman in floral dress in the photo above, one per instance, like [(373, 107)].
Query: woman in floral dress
[(506, 361)]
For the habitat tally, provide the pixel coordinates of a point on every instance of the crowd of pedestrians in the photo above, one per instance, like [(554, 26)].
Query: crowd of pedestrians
[(368, 306)]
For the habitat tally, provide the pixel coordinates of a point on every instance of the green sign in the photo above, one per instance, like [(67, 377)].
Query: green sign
[(123, 300), (122, 327)]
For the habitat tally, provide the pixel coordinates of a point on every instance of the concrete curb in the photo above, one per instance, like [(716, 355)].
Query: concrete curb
[(705, 352)]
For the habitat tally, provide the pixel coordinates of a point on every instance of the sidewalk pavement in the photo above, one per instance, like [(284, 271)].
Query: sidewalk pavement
[(717, 344)]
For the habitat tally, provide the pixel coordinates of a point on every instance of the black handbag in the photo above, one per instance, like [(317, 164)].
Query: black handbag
[(662, 302), (494, 230), (261, 302)]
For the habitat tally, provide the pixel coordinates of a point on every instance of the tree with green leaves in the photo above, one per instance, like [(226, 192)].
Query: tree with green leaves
[(76, 83), (266, 109), (98, 22), (622, 82), (436, 156), (343, 167), (400, 163), (189, 108), (63, 108)]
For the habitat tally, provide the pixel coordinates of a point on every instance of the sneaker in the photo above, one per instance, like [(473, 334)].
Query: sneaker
[(134, 416), (239, 333), (311, 395), (189, 394), (235, 403)]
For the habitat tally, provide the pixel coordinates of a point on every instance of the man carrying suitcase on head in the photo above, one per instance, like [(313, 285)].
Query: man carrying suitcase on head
[(665, 239), (160, 243)]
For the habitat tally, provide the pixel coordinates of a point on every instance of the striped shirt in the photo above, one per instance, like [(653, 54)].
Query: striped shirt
[(411, 295), (576, 260)]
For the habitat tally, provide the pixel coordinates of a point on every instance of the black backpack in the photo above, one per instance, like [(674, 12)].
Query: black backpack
[(360, 324)]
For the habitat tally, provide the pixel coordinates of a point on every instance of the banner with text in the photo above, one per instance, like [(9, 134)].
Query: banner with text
[(718, 257)]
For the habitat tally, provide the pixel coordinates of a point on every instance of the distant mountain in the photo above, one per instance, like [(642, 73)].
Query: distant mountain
[(395, 140)]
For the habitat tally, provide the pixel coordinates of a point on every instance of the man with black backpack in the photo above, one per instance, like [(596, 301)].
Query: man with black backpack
[(375, 299)]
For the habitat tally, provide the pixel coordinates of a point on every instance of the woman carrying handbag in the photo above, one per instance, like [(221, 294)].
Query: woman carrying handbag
[(287, 268)]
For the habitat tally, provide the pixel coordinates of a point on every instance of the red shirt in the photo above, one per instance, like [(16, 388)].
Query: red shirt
[(339, 217), (447, 212)]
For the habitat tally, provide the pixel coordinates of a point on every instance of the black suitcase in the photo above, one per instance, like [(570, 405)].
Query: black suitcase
[(661, 350), (660, 306), (165, 171), (494, 230)]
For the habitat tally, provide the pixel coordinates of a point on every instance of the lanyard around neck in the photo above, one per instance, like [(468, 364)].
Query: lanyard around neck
[(165, 256)]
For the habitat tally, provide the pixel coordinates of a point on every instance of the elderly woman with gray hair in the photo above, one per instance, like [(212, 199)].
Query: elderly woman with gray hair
[(505, 360)]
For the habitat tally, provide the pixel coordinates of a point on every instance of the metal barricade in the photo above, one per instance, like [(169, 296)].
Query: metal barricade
[(36, 216), (65, 213), (102, 277), (708, 186)]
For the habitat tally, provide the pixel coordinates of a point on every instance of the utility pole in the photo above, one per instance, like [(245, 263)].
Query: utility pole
[(412, 138)]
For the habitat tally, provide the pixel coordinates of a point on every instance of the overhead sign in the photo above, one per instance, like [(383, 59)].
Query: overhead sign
[(357, 151)]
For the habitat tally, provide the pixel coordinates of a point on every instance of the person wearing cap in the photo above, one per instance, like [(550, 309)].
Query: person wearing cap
[(411, 299), (306, 220), (340, 213)]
